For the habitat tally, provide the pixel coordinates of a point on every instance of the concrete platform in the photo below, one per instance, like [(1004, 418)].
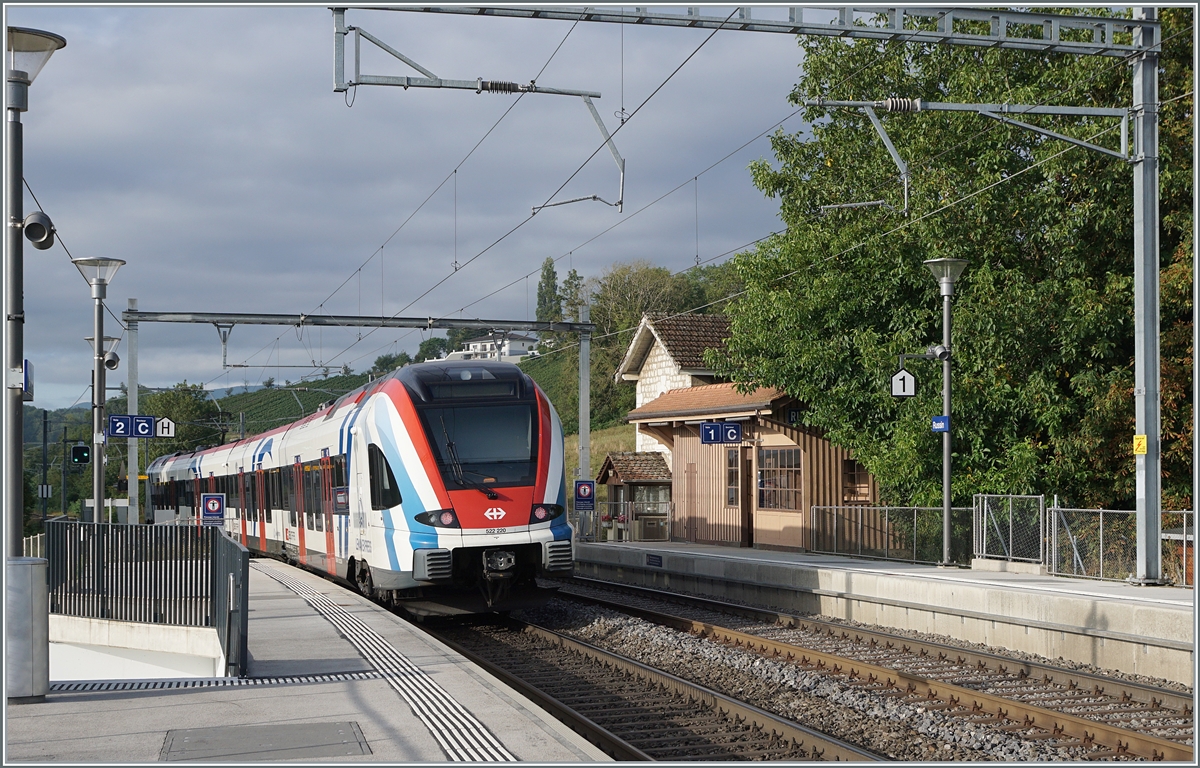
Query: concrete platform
[(388, 703), (1142, 630)]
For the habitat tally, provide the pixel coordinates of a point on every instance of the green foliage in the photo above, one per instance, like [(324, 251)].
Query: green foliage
[(432, 348), (267, 409), (619, 298), (573, 295), (195, 415), (1042, 316), (389, 363), (549, 302)]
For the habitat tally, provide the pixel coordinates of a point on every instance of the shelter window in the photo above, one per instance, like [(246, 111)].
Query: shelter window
[(779, 475), (856, 483), (731, 477)]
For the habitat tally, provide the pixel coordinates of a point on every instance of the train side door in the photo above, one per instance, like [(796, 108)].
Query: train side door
[(298, 481), (327, 513), (260, 491), (241, 504)]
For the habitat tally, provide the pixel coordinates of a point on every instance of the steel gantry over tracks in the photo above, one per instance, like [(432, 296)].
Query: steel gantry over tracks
[(224, 321), (1137, 39)]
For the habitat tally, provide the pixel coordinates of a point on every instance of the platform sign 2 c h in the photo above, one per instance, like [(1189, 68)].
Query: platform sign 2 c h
[(212, 506), (585, 495)]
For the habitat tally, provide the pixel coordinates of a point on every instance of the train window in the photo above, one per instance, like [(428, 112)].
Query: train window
[(384, 493), (292, 518), (308, 521), (492, 445), (339, 471), (319, 522)]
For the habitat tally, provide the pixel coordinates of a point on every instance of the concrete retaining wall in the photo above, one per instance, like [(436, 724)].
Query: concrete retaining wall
[(100, 649), (1148, 639)]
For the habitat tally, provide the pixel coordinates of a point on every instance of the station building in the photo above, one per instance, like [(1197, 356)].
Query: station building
[(758, 493)]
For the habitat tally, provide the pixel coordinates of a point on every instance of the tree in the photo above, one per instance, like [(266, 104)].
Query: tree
[(456, 337), (195, 416), (389, 363), (573, 296), (346, 370), (432, 348), (269, 382), (1042, 315), (549, 303)]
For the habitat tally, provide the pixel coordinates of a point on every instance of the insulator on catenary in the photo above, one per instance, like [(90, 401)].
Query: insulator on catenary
[(497, 86), (895, 104)]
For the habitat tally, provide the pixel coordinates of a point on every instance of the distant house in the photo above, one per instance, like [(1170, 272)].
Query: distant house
[(667, 353), (760, 492), (508, 349)]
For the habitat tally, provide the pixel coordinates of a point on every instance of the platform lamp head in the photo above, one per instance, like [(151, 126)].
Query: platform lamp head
[(946, 271), (98, 272)]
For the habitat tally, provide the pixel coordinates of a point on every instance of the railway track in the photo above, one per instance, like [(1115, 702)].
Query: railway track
[(633, 711), (1103, 717)]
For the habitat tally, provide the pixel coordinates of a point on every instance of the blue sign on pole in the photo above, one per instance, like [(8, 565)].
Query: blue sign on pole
[(716, 432), (731, 432), (120, 426), (143, 426), (212, 506), (585, 495), (941, 423)]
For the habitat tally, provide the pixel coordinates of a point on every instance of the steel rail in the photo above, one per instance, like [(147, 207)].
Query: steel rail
[(1072, 679), (1120, 740), (821, 745)]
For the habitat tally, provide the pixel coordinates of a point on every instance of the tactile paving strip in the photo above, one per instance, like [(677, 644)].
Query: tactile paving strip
[(460, 735)]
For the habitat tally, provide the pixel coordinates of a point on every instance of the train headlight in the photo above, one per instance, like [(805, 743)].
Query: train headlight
[(439, 518), (544, 512)]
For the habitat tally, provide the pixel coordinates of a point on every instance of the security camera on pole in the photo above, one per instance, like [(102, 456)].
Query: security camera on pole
[(98, 272)]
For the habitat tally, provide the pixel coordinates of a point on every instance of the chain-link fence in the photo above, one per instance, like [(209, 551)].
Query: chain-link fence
[(911, 534), (1102, 544), (1010, 527)]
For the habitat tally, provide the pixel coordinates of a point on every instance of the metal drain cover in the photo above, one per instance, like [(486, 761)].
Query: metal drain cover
[(235, 743)]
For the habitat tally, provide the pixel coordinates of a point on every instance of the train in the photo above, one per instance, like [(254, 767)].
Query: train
[(439, 488)]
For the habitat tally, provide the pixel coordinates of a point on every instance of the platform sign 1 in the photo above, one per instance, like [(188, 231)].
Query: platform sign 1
[(212, 506), (585, 495), (120, 426), (941, 423), (904, 384), (143, 426)]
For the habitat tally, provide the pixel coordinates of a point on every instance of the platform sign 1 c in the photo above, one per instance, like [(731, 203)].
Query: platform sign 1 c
[(715, 432), (585, 495), (212, 506)]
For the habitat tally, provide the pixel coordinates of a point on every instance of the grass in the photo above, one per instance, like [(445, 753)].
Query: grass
[(604, 441)]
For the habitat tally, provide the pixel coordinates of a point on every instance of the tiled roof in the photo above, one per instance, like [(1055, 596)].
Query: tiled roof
[(631, 467), (712, 399), (687, 336)]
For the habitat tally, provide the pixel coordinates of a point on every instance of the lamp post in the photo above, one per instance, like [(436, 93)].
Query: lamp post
[(98, 272), (28, 51), (946, 271)]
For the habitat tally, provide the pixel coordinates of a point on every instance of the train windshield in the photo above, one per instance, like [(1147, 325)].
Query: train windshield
[(483, 446)]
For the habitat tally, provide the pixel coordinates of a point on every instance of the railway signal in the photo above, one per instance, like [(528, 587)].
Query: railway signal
[(81, 454)]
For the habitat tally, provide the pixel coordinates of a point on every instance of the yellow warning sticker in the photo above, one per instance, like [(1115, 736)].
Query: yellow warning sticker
[(1139, 445)]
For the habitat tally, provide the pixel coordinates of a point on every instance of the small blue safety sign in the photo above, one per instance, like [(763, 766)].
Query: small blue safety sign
[(941, 423), (585, 495), (212, 507)]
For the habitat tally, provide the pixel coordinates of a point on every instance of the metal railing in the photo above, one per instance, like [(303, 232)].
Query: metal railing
[(625, 521), (1102, 544), (909, 534), (187, 576), (34, 546), (1010, 527)]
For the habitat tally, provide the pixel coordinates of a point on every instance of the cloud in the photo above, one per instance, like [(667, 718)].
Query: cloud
[(205, 146)]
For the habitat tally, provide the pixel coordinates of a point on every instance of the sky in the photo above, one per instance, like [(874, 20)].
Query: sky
[(207, 148)]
